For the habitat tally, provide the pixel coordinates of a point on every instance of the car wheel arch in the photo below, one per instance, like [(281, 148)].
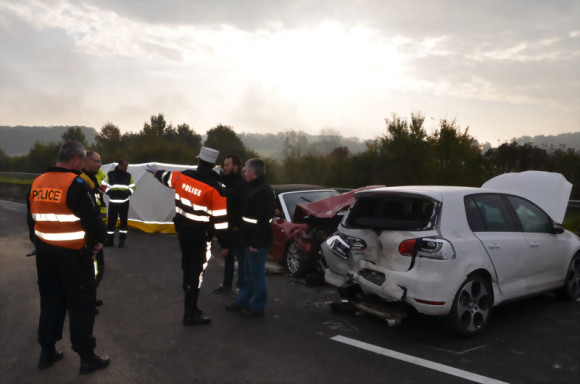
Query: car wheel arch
[(470, 311), (486, 275)]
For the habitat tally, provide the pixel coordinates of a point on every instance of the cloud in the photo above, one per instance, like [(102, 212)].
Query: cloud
[(304, 65)]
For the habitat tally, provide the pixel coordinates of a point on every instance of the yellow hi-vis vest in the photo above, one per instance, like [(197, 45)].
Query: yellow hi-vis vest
[(56, 223)]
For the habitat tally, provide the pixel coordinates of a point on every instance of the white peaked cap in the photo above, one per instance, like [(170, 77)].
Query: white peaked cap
[(209, 155)]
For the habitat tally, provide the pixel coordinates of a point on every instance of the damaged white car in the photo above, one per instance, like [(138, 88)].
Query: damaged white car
[(455, 251)]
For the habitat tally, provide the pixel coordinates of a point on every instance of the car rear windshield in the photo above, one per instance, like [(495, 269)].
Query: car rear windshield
[(392, 213), (292, 199)]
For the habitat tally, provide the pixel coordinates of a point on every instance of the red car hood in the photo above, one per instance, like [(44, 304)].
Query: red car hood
[(329, 207)]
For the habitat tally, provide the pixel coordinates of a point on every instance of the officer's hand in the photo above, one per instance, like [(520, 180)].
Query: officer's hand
[(224, 252), (151, 169), (96, 250), (253, 250)]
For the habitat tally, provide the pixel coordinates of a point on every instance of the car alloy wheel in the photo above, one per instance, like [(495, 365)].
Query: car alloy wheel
[(295, 260), (471, 307)]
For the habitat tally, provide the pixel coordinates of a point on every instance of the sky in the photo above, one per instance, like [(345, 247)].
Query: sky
[(502, 69)]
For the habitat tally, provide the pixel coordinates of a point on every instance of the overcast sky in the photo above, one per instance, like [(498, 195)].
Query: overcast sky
[(504, 69)]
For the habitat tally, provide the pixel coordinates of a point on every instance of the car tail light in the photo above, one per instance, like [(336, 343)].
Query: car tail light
[(406, 247), (428, 247)]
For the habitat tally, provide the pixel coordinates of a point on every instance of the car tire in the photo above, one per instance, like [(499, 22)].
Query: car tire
[(295, 260), (471, 308), (571, 288)]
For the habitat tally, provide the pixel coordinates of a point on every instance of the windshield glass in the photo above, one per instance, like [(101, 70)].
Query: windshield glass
[(392, 212), (291, 199)]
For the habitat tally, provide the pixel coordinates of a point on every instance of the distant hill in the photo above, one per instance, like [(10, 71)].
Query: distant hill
[(279, 145), (568, 140), (18, 140)]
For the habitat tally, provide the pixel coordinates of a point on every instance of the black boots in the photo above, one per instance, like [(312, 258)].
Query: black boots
[(49, 356), (92, 362), (192, 314)]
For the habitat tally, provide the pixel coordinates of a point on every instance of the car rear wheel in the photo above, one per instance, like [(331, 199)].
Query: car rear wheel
[(471, 307), (571, 288), (296, 260)]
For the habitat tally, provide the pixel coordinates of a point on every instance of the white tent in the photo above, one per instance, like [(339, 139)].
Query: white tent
[(152, 206)]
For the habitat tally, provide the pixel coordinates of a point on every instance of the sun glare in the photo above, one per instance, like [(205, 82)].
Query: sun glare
[(326, 60)]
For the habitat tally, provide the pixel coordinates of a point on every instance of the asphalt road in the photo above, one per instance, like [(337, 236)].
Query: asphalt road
[(300, 340)]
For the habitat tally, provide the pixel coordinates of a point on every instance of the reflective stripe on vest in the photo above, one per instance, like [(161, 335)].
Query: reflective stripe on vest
[(248, 220), (54, 217), (55, 224), (116, 201), (197, 201), (252, 221)]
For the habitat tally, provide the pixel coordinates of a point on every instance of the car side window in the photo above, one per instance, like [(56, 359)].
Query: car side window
[(532, 218), (488, 213)]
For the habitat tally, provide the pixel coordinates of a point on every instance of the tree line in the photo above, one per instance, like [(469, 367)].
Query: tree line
[(405, 154)]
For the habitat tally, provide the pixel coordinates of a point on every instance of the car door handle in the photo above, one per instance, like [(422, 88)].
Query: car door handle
[(534, 245), (494, 246)]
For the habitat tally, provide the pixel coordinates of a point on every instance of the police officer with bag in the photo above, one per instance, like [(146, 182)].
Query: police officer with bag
[(68, 234)]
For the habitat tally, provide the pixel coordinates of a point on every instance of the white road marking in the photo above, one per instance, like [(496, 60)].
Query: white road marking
[(417, 361)]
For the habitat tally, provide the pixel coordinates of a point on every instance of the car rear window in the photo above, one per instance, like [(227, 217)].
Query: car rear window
[(392, 213), (292, 199)]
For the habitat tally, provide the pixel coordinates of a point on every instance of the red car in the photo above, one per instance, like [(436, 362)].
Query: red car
[(288, 196), (306, 216)]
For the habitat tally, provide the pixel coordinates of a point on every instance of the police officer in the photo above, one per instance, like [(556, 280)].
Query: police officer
[(119, 187), (67, 233), (201, 210), (91, 169)]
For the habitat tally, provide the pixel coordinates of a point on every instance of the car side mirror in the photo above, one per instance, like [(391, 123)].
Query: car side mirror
[(277, 213), (557, 228)]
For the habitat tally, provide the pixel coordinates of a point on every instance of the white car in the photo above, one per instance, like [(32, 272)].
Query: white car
[(456, 251)]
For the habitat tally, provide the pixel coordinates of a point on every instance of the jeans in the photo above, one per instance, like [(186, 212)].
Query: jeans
[(254, 293), (236, 252)]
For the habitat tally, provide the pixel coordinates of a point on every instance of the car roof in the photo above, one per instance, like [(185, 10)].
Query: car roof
[(281, 188), (550, 191), (436, 192)]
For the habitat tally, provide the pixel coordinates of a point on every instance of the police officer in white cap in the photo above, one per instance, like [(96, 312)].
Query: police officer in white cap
[(200, 207)]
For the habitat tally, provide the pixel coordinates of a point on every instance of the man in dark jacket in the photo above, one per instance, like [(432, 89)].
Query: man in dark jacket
[(257, 238), (90, 169), (201, 211), (119, 187), (68, 233), (233, 180)]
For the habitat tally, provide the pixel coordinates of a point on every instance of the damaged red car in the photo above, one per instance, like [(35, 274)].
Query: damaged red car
[(297, 241)]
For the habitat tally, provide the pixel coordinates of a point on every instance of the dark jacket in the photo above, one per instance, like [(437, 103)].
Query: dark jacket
[(82, 202), (234, 185), (93, 184), (120, 186), (257, 214)]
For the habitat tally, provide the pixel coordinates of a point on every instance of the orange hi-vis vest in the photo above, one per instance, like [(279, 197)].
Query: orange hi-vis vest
[(198, 201), (56, 224)]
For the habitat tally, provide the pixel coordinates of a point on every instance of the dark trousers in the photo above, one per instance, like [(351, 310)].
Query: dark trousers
[(100, 265), (121, 211), (66, 282), (195, 254), (236, 253)]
